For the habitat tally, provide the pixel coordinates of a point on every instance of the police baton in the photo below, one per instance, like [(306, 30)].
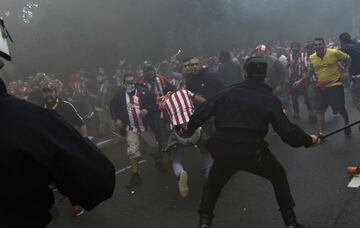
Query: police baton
[(323, 137)]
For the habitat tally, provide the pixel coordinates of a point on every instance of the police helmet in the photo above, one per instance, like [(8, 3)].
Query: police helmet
[(255, 65)]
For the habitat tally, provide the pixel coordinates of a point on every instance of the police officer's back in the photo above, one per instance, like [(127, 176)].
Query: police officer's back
[(242, 115), (39, 148)]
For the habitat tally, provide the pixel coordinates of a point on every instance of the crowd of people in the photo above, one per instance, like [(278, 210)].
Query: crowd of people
[(91, 93), (154, 104)]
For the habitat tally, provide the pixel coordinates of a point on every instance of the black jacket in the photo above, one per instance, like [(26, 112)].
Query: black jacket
[(353, 49), (205, 84), (230, 73), (247, 108), (39, 148), (118, 106)]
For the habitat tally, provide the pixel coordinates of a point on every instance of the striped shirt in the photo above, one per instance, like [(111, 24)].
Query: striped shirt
[(298, 66), (158, 86), (179, 106), (136, 123)]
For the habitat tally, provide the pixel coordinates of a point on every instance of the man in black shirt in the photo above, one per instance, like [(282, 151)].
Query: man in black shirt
[(201, 82), (352, 48), (203, 85), (242, 115), (64, 108), (67, 111), (39, 148)]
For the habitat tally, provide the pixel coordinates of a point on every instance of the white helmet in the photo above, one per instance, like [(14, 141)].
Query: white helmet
[(189, 140)]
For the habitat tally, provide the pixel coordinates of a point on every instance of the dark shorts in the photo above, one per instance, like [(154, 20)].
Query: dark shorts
[(331, 96)]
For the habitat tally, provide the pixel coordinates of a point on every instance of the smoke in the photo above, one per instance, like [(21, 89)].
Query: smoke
[(64, 36)]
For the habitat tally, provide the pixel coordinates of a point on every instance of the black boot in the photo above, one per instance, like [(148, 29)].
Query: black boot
[(205, 221), (160, 163), (289, 218), (135, 180)]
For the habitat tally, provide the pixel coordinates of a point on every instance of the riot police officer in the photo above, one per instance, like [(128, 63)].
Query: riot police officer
[(242, 115), (39, 148)]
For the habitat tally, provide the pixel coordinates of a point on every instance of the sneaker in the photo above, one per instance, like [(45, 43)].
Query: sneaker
[(183, 184), (204, 226), (205, 221), (347, 131), (135, 180), (77, 210)]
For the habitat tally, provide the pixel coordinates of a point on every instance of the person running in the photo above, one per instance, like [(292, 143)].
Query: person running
[(297, 66), (133, 109), (179, 105), (51, 91), (324, 64), (158, 85), (203, 85), (352, 48), (242, 115)]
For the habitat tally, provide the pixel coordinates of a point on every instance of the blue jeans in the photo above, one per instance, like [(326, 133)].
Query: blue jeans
[(177, 154)]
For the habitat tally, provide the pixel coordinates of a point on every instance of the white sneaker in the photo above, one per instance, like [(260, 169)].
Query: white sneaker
[(183, 184)]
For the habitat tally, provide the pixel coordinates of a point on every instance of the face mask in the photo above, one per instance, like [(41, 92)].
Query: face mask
[(129, 87), (49, 99)]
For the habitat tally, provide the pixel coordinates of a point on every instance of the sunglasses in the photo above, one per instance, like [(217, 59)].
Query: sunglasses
[(47, 90)]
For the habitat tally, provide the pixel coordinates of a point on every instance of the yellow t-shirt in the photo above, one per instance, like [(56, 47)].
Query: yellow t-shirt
[(327, 69)]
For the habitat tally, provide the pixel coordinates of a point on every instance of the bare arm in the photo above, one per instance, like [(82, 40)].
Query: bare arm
[(306, 75), (346, 69), (84, 131)]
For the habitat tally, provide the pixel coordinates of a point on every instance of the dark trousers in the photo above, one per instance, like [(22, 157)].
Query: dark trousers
[(266, 165), (295, 94)]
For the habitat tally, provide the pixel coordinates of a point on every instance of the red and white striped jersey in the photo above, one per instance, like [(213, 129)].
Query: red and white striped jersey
[(179, 106), (136, 123), (178, 84), (159, 85), (299, 65)]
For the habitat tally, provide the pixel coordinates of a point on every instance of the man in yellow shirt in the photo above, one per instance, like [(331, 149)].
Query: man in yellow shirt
[(324, 64)]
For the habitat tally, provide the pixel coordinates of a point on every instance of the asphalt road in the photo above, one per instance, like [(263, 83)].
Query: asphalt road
[(317, 178)]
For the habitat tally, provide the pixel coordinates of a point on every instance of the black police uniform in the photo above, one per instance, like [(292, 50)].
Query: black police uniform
[(242, 115), (39, 148)]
